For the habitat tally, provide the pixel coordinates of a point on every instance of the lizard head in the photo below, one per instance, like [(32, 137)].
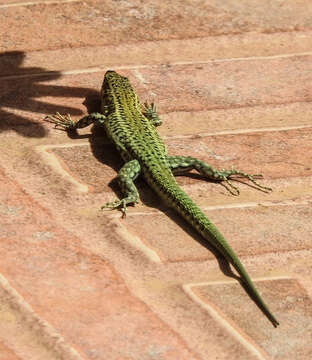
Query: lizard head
[(116, 89), (115, 82)]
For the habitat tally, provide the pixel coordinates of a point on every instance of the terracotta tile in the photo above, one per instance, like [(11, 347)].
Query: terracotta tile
[(78, 294), (234, 223), (152, 52), (7, 353), (221, 85), (251, 153), (291, 305), (72, 24), (232, 81)]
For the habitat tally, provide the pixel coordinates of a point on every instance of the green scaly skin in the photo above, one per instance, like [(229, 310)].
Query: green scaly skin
[(131, 127)]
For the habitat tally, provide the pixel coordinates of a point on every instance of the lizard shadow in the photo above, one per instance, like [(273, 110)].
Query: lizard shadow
[(109, 156), (101, 147), (22, 89)]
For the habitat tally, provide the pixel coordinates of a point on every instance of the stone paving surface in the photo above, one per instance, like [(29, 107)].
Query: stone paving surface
[(233, 83)]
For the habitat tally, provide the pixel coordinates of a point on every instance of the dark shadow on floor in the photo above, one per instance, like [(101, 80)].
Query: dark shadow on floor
[(21, 89)]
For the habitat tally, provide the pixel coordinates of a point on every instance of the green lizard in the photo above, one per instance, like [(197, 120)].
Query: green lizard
[(131, 127)]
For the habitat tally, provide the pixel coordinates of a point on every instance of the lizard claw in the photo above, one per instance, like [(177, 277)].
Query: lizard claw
[(118, 204), (65, 122), (227, 175)]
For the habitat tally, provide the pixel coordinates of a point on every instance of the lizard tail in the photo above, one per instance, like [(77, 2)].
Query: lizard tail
[(177, 199)]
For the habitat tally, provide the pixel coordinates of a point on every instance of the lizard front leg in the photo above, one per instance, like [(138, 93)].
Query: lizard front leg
[(126, 176), (65, 122), (183, 164), (150, 112)]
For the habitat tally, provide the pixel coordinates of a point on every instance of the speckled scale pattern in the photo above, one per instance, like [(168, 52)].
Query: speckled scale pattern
[(131, 127)]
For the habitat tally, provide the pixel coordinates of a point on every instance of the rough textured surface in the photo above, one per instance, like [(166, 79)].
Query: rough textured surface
[(233, 80), (80, 23)]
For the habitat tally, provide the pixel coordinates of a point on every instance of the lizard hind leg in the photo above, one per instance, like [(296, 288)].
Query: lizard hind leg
[(183, 164), (126, 176)]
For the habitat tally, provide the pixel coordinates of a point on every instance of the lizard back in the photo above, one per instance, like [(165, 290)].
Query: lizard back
[(126, 125)]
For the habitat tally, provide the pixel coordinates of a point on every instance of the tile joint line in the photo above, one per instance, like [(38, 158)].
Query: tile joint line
[(133, 67)]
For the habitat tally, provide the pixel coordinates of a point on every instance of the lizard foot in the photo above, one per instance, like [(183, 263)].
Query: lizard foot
[(65, 122), (117, 204), (227, 175)]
